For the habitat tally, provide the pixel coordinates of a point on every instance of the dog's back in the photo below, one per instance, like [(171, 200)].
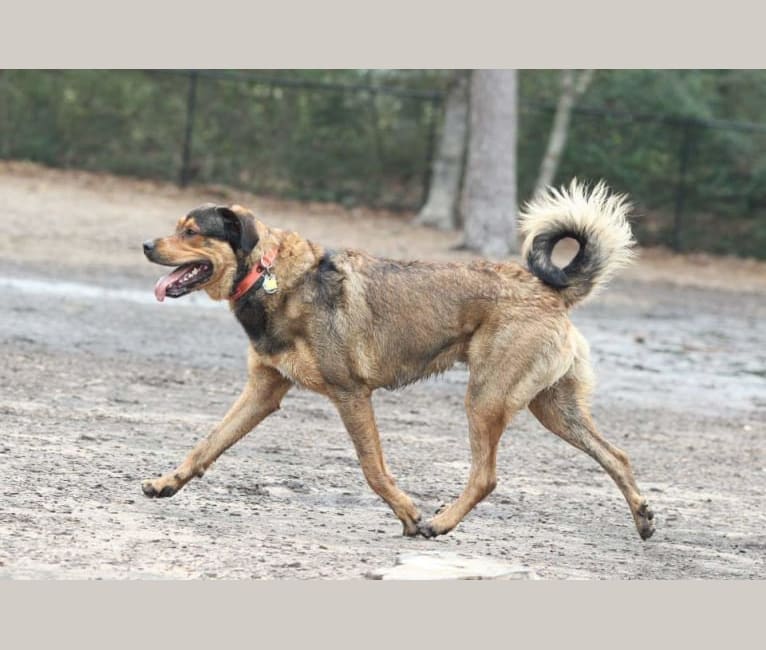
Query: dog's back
[(388, 323)]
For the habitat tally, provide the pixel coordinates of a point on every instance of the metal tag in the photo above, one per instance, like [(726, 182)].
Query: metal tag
[(270, 283)]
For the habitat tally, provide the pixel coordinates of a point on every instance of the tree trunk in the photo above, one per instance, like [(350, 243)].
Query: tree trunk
[(441, 208), (488, 205), (572, 87)]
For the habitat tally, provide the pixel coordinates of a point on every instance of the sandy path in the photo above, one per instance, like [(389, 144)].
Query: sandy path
[(102, 387)]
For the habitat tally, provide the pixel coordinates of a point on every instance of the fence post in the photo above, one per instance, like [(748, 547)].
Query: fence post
[(4, 132), (191, 105), (684, 154), (430, 144), (377, 144)]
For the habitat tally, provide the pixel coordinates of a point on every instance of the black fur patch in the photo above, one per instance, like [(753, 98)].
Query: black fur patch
[(540, 262), (328, 282), (576, 279), (209, 222), (325, 262), (240, 229), (220, 222), (252, 315)]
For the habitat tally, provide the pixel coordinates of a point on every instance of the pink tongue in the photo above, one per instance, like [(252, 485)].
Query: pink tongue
[(164, 282)]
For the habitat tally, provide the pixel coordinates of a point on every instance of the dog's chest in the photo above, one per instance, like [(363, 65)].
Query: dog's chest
[(300, 366)]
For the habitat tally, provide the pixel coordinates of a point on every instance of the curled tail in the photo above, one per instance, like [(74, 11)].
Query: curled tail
[(595, 219)]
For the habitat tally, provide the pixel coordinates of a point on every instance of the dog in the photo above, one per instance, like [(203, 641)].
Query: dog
[(345, 323)]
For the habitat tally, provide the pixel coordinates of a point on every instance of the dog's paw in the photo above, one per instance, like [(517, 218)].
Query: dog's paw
[(427, 530), (411, 527), (645, 520), (152, 490)]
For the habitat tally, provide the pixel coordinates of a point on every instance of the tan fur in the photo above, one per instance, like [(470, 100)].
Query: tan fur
[(346, 325)]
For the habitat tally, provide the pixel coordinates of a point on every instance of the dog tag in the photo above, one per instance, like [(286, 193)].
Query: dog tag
[(270, 283)]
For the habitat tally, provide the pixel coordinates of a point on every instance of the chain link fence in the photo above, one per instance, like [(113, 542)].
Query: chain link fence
[(351, 143), (698, 185)]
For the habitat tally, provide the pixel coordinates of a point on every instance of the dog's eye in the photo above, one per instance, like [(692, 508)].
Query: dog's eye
[(190, 233)]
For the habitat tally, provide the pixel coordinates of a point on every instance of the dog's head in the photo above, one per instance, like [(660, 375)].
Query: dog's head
[(211, 246)]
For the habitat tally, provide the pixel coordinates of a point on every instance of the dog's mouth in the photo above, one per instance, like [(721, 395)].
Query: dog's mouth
[(185, 279)]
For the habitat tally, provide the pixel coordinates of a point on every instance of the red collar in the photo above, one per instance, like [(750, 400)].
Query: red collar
[(255, 274)]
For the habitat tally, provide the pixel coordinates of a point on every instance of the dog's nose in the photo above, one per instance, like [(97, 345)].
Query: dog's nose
[(148, 246)]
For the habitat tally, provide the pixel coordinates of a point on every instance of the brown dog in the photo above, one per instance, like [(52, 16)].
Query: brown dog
[(345, 323)]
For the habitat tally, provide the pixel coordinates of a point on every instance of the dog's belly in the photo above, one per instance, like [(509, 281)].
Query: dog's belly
[(361, 366), (409, 364)]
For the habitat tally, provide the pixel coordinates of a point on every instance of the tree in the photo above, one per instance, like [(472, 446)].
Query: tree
[(488, 203), (441, 208), (572, 87)]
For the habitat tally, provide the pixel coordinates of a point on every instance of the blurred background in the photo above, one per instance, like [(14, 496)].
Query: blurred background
[(689, 146), (101, 386)]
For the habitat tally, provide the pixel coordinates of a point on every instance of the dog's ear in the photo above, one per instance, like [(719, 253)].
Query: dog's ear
[(239, 225)]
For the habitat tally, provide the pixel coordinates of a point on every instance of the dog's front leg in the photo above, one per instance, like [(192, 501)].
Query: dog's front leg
[(359, 418), (260, 397)]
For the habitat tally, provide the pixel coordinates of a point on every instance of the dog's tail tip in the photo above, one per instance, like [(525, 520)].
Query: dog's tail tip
[(596, 218)]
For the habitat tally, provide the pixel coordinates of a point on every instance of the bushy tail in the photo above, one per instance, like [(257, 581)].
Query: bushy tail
[(596, 219)]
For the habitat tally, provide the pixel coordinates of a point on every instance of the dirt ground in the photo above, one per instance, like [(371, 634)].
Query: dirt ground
[(100, 387)]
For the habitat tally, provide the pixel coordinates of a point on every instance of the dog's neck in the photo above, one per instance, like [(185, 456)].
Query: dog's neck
[(288, 256), (245, 280)]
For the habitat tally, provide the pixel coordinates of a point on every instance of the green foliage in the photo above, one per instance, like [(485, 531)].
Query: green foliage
[(341, 144), (724, 190), (280, 134)]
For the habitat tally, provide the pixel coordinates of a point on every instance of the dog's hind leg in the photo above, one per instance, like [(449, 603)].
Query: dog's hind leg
[(563, 408), (506, 372), (261, 396), (358, 416), (486, 423)]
